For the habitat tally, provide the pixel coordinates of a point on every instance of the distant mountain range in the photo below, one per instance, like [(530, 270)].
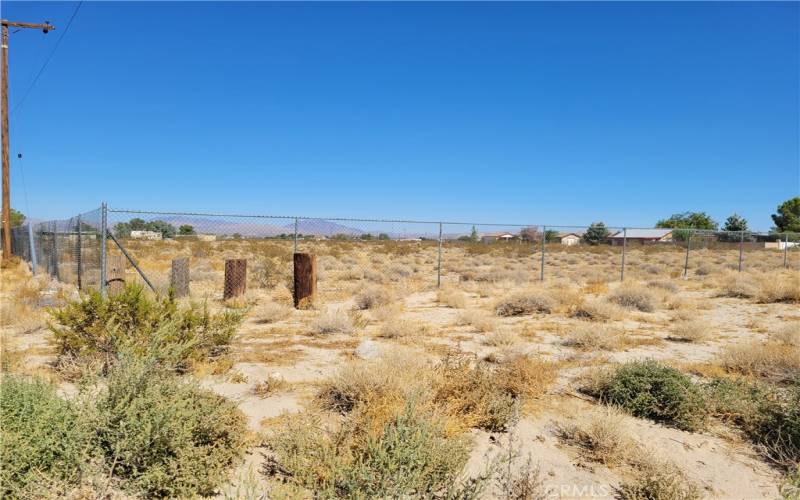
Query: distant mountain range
[(254, 228)]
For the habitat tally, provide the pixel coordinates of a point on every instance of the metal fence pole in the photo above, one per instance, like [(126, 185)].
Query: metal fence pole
[(624, 246), (33, 248), (439, 265), (544, 236), (55, 251), (741, 249), (78, 254), (103, 236), (295, 234), (688, 247), (785, 249)]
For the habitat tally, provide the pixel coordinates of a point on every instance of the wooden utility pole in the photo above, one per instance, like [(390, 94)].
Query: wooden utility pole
[(6, 178)]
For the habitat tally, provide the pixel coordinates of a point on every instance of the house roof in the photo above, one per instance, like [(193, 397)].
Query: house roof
[(564, 235), (498, 234), (642, 233)]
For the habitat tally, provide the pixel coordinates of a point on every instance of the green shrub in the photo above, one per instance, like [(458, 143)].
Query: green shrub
[(769, 415), (410, 457), (164, 436), (99, 327), (45, 443), (648, 389)]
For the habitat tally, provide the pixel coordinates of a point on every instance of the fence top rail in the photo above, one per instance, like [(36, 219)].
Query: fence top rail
[(406, 221)]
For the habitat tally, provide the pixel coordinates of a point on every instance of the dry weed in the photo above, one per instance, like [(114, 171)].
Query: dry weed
[(692, 330), (634, 297), (332, 321), (452, 297), (524, 302), (478, 319), (604, 438), (269, 386), (594, 338)]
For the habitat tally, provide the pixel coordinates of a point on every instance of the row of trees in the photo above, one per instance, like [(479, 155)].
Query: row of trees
[(167, 230)]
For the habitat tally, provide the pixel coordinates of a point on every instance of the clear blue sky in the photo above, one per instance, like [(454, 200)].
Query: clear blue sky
[(517, 112)]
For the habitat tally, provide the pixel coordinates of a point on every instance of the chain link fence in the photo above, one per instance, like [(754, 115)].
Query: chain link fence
[(107, 247)]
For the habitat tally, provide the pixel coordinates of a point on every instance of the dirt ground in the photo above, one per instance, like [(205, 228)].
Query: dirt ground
[(277, 342)]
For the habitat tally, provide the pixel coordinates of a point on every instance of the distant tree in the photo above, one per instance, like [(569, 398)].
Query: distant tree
[(529, 234), (366, 236), (186, 230), (166, 229), (464, 238), (340, 236), (595, 234), (735, 223), (383, 236), (689, 220), (473, 235), (17, 218), (552, 236), (787, 220), (137, 224), (236, 236), (122, 230)]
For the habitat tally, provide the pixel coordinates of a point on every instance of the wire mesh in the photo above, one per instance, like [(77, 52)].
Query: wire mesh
[(355, 254)]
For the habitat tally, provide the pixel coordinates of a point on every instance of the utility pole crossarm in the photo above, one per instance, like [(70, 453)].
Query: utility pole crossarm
[(14, 24)]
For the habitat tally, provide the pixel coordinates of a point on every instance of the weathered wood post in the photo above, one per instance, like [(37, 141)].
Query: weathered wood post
[(235, 278), (305, 279), (179, 279), (116, 274)]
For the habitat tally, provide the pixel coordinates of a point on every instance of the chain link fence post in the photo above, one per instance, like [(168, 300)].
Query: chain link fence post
[(103, 236), (55, 251), (624, 247), (439, 264), (741, 248), (32, 244), (544, 237), (78, 254), (688, 248), (295, 234)]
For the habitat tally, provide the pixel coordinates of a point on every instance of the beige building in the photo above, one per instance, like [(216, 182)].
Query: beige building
[(569, 239), (145, 235)]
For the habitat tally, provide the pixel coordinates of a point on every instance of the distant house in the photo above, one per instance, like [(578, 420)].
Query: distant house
[(207, 237), (641, 236), (501, 236), (145, 235), (569, 239)]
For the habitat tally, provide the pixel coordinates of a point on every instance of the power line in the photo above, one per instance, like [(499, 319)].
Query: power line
[(49, 57)]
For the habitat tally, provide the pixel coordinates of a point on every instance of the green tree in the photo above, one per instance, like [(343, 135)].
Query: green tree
[(735, 223), (689, 220), (552, 236), (186, 230), (473, 235), (166, 229), (383, 236), (787, 220), (595, 234), (17, 218)]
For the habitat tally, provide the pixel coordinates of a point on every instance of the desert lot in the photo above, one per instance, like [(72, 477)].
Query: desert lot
[(493, 385)]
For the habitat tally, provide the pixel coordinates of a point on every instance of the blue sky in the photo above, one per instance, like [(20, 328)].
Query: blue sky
[(557, 113)]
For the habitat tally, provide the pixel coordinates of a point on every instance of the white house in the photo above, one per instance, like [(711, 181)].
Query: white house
[(501, 236), (145, 235), (569, 239)]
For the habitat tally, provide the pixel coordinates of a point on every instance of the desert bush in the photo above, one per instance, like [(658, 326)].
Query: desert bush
[(526, 302), (410, 456), (788, 335), (737, 285), (779, 287), (163, 436), (269, 386), (596, 310), (452, 297), (693, 330), (272, 312), (372, 297), (400, 328), (332, 321), (648, 389), (501, 338), (479, 319), (667, 286), (771, 360), (97, 327), (594, 338), (604, 438), (47, 441), (656, 479), (634, 297)]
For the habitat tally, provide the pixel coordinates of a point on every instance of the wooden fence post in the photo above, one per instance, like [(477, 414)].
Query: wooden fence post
[(116, 274), (305, 279), (179, 279), (235, 278)]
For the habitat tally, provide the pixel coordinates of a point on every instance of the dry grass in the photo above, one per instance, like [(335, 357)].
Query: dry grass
[(452, 297), (597, 310), (524, 302), (400, 328), (374, 296), (595, 338), (604, 438), (271, 385), (778, 287), (481, 321), (788, 335), (503, 337), (657, 479), (771, 360), (634, 297), (691, 330), (738, 285), (387, 312), (332, 321), (271, 312)]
